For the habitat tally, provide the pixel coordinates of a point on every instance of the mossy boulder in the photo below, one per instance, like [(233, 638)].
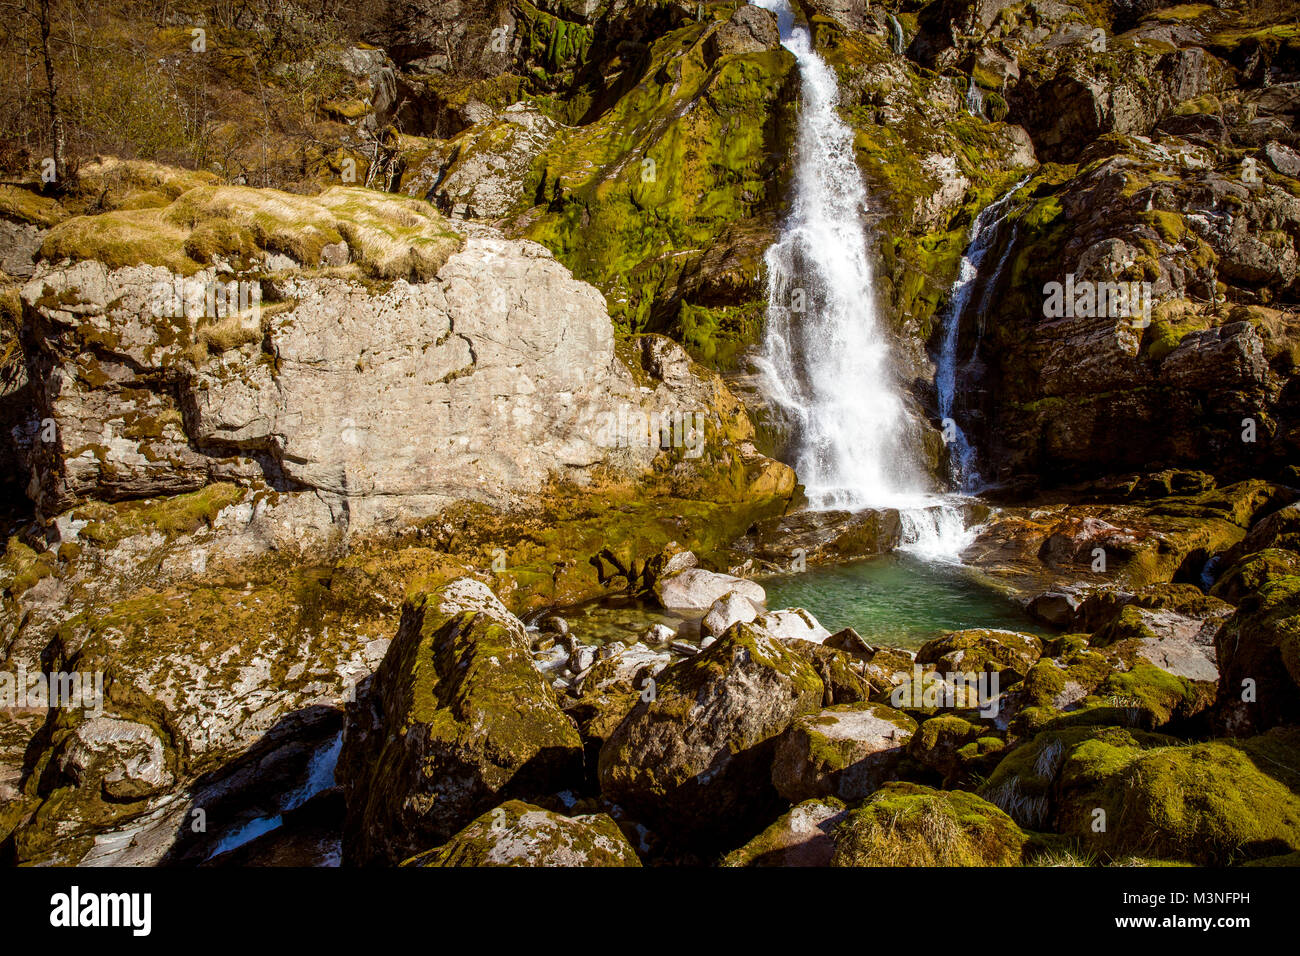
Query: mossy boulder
[(954, 747), (799, 837), (1024, 784), (696, 757), (905, 824), (1249, 575), (1174, 642), (456, 718), (1009, 653), (1213, 803), (1259, 660), (1120, 792), (843, 678), (845, 751), (520, 834)]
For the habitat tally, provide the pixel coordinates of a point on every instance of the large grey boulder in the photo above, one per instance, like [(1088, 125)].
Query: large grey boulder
[(455, 719), (698, 589), (694, 755), (477, 385)]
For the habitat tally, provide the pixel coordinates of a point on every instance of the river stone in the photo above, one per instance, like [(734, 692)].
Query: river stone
[(843, 677), (732, 608), (846, 751), (801, 837), (455, 715), (981, 649), (1180, 644), (697, 589), (124, 758), (851, 642), (792, 624), (520, 834), (697, 758), (1055, 607)]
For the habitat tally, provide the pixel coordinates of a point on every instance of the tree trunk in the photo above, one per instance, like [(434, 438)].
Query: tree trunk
[(51, 91)]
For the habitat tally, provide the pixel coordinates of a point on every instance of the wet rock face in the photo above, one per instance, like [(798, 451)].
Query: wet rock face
[(696, 760), (477, 385), (455, 719)]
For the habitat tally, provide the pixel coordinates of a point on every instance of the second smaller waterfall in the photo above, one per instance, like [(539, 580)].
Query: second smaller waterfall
[(962, 462), (974, 99)]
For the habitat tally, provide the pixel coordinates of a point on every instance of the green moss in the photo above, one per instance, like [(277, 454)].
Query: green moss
[(904, 824), (1213, 803), (28, 205), (636, 197), (170, 517), (21, 567)]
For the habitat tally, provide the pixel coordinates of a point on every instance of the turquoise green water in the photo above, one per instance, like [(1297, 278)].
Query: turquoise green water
[(897, 600)]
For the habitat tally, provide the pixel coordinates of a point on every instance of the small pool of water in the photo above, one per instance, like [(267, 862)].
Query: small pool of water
[(897, 600)]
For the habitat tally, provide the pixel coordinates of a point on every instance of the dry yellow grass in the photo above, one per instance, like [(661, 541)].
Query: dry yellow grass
[(388, 236)]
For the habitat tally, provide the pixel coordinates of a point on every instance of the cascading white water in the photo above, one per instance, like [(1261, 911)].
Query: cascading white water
[(961, 460), (826, 360), (974, 99), (896, 42)]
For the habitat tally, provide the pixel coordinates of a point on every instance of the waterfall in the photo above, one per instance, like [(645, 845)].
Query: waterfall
[(961, 459), (826, 361), (974, 99), (896, 36)]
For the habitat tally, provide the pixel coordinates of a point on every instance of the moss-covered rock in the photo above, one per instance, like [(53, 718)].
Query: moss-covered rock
[(1251, 573), (904, 824), (635, 201), (1213, 803), (846, 751), (695, 758), (1009, 653), (800, 837), (844, 679), (1120, 792), (519, 834), (455, 718), (955, 747), (1024, 782), (1259, 660)]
